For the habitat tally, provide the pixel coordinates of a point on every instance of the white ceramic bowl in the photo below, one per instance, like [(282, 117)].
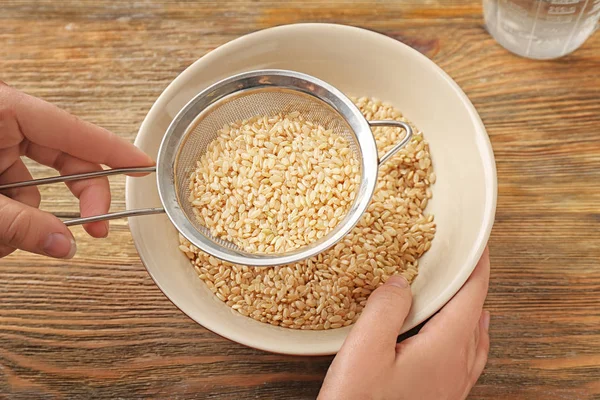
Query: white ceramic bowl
[(361, 63)]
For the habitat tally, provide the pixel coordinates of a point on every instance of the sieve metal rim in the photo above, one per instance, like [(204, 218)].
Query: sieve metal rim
[(179, 129)]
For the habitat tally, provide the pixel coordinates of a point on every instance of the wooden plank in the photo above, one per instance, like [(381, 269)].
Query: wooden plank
[(98, 327)]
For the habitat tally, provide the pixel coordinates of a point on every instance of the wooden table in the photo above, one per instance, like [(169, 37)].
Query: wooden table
[(98, 327)]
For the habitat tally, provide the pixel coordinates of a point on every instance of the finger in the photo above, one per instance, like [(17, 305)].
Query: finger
[(10, 136), (8, 155), (27, 195), (6, 250), (483, 347), (481, 353), (372, 340), (15, 173), (27, 228), (470, 352), (380, 323), (93, 194), (49, 126), (458, 318)]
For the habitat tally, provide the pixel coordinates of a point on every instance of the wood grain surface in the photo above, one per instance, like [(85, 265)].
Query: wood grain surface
[(98, 327)]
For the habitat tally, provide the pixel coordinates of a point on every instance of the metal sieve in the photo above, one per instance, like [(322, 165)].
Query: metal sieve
[(240, 97)]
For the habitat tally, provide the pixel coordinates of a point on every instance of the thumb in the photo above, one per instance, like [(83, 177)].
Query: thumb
[(381, 321), (30, 229)]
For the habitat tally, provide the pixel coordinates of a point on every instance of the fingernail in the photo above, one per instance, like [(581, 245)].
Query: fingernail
[(398, 281), (106, 229), (486, 320), (60, 246)]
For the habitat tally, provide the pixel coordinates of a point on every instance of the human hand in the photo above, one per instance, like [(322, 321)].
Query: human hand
[(442, 362), (42, 132)]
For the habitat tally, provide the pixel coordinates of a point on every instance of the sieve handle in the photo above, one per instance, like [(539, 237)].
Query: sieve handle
[(401, 144), (89, 175), (77, 177), (115, 215)]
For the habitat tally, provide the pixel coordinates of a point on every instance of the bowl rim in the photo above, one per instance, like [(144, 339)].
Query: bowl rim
[(483, 143)]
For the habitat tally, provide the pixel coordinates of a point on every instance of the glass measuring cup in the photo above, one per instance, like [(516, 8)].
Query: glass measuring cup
[(541, 29)]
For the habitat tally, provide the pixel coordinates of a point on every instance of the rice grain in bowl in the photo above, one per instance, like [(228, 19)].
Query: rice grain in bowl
[(271, 184), (463, 197), (327, 291)]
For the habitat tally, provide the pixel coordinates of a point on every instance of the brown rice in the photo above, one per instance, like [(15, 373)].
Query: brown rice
[(330, 290), (272, 184)]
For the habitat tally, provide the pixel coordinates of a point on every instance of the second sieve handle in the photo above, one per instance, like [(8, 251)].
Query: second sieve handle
[(400, 144)]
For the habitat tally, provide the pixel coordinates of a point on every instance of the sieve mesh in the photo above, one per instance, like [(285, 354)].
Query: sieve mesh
[(241, 106)]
